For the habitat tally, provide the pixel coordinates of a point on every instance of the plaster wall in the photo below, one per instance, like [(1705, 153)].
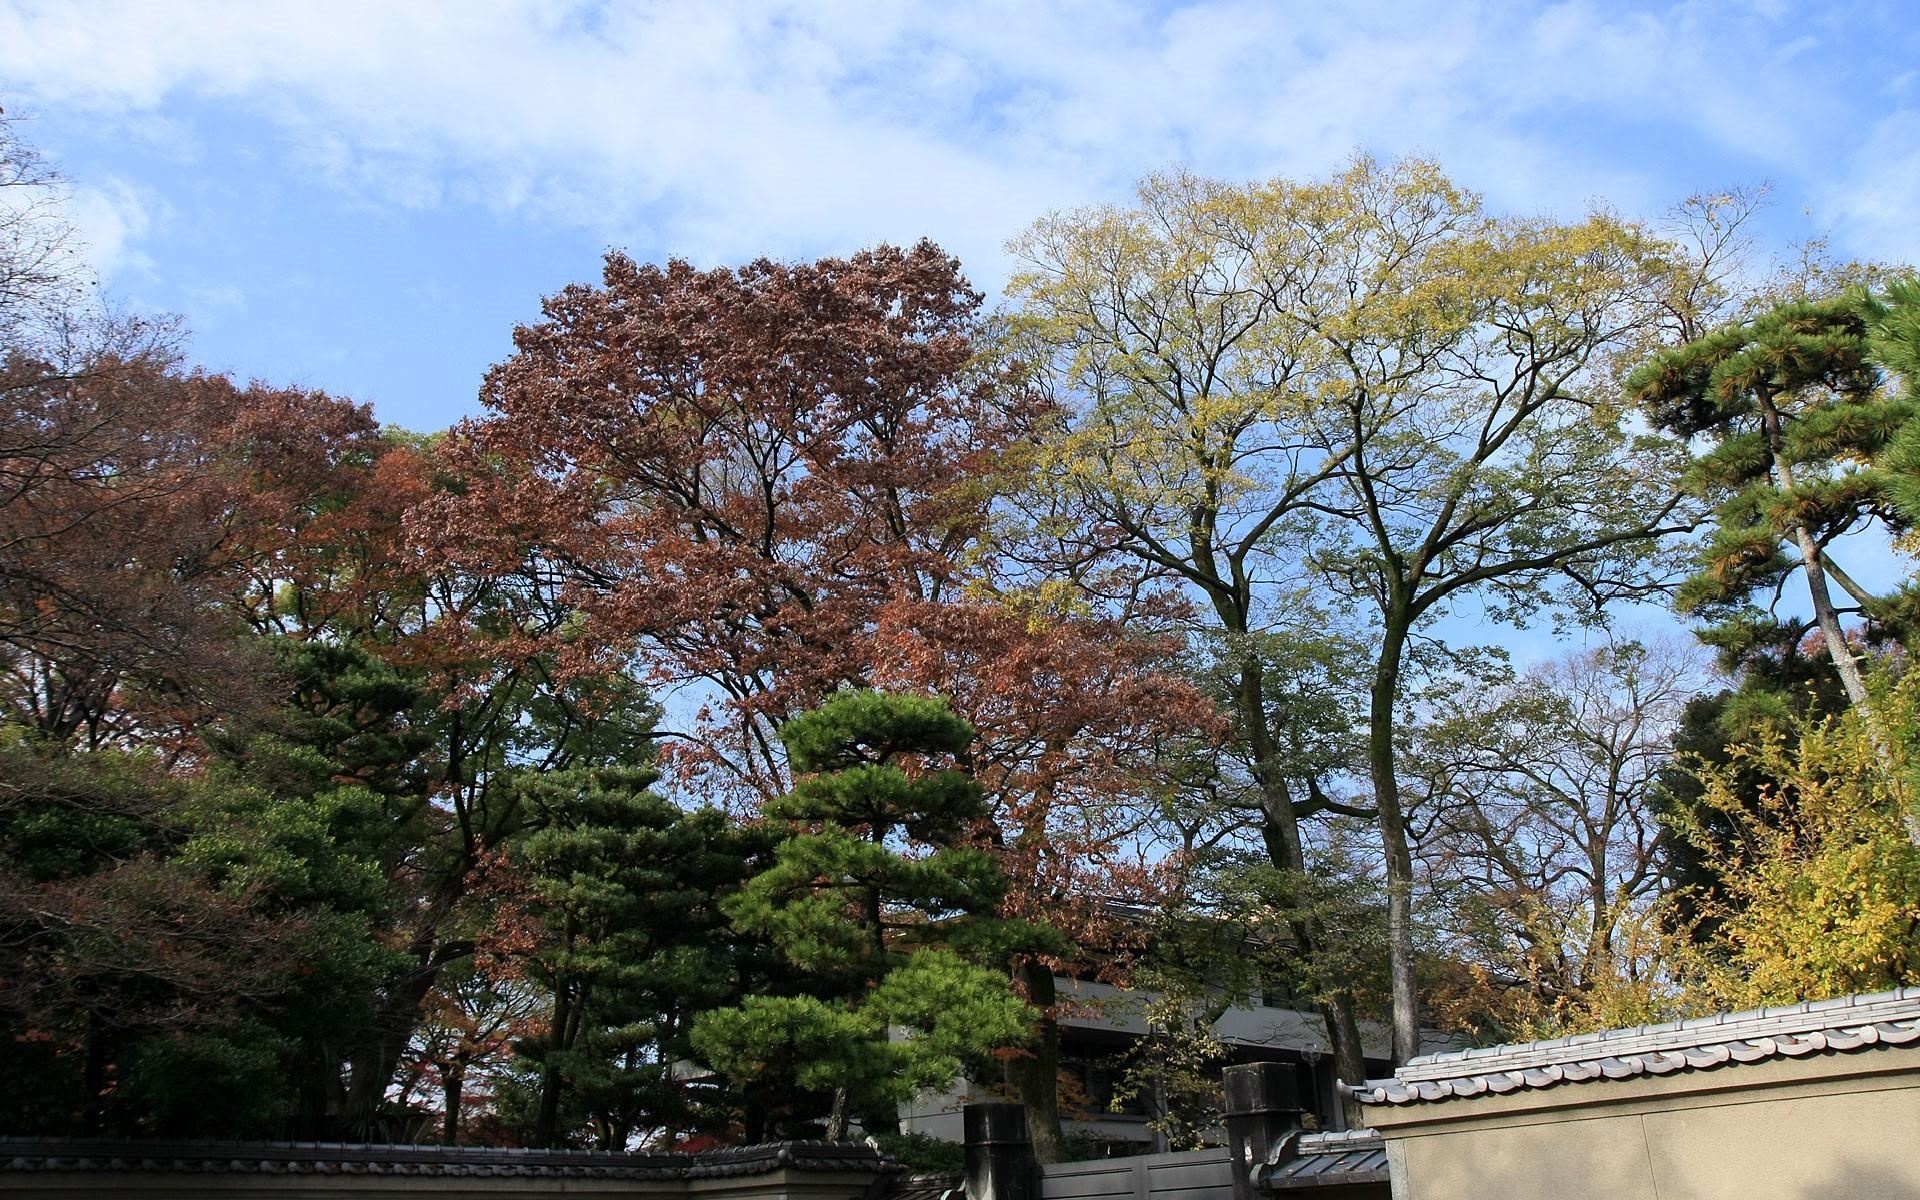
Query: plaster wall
[(1838, 1126)]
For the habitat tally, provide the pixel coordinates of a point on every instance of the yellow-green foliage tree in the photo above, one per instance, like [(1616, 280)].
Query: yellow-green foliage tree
[(1820, 887), (1366, 389)]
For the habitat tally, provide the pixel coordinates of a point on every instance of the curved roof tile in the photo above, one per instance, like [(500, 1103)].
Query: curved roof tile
[(1790, 1031)]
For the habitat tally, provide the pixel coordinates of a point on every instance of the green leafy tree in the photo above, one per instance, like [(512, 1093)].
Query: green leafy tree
[(627, 890), (1790, 409), (172, 942), (892, 918), (1893, 343)]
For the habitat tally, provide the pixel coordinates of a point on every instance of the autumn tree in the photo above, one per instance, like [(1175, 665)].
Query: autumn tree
[(1076, 718), (430, 685), (1156, 340), (1819, 880), (758, 485), (462, 1050), (729, 473), (893, 919), (112, 513), (1369, 384), (1543, 836)]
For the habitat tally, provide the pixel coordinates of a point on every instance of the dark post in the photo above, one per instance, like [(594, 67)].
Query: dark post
[(999, 1152), (1263, 1107)]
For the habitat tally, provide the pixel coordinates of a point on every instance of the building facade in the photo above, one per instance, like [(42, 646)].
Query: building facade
[(1100, 1023)]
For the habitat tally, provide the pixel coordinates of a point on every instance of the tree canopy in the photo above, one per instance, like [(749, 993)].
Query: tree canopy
[(800, 687)]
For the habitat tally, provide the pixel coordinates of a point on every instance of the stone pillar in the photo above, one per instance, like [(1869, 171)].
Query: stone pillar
[(1264, 1104), (999, 1152)]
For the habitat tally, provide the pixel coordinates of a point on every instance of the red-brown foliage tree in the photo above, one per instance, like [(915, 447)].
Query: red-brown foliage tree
[(759, 485), (1071, 714), (730, 473), (135, 500)]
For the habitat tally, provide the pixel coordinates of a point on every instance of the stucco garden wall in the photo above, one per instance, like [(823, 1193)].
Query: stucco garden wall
[(1830, 1126)]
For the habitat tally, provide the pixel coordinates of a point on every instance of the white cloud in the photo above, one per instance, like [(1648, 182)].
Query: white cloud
[(1876, 201), (721, 130), (109, 218)]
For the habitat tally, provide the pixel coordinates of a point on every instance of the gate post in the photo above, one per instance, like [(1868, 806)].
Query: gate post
[(1263, 1107), (999, 1152)]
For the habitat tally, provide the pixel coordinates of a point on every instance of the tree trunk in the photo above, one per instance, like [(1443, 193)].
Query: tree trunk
[(838, 1118), (1349, 1054), (1811, 561), (1280, 832), (547, 1123), (450, 1088), (375, 1061), (1393, 837), (1036, 1077)]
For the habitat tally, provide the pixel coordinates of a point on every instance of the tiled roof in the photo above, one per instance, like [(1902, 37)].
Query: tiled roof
[(342, 1158), (950, 1186), (1311, 1160), (1851, 1023)]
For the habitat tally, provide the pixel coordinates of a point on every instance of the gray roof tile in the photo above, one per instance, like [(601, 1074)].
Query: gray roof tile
[(1840, 1025), (1314, 1160), (338, 1158)]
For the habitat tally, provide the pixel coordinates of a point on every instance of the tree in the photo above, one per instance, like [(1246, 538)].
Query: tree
[(1778, 682), (1074, 719), (1819, 882), (1893, 344), (1227, 941), (1790, 406), (1158, 344), (168, 937), (730, 473), (888, 939), (1368, 382), (42, 282), (759, 485), (627, 891), (1542, 831), (436, 688), (113, 506), (462, 1050)]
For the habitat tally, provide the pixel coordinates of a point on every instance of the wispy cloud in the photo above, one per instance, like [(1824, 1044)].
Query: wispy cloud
[(110, 217), (1876, 200), (721, 130)]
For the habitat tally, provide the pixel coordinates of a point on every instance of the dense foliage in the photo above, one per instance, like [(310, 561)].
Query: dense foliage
[(794, 672)]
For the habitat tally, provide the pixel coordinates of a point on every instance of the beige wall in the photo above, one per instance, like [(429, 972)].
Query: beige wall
[(1835, 1127)]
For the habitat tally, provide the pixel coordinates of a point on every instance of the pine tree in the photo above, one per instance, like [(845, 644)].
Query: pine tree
[(627, 889), (890, 916), (1893, 341), (1791, 407)]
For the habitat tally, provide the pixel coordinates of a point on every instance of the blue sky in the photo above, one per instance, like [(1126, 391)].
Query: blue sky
[(365, 197)]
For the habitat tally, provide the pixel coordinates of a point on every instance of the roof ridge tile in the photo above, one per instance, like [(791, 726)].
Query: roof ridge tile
[(1792, 1030)]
